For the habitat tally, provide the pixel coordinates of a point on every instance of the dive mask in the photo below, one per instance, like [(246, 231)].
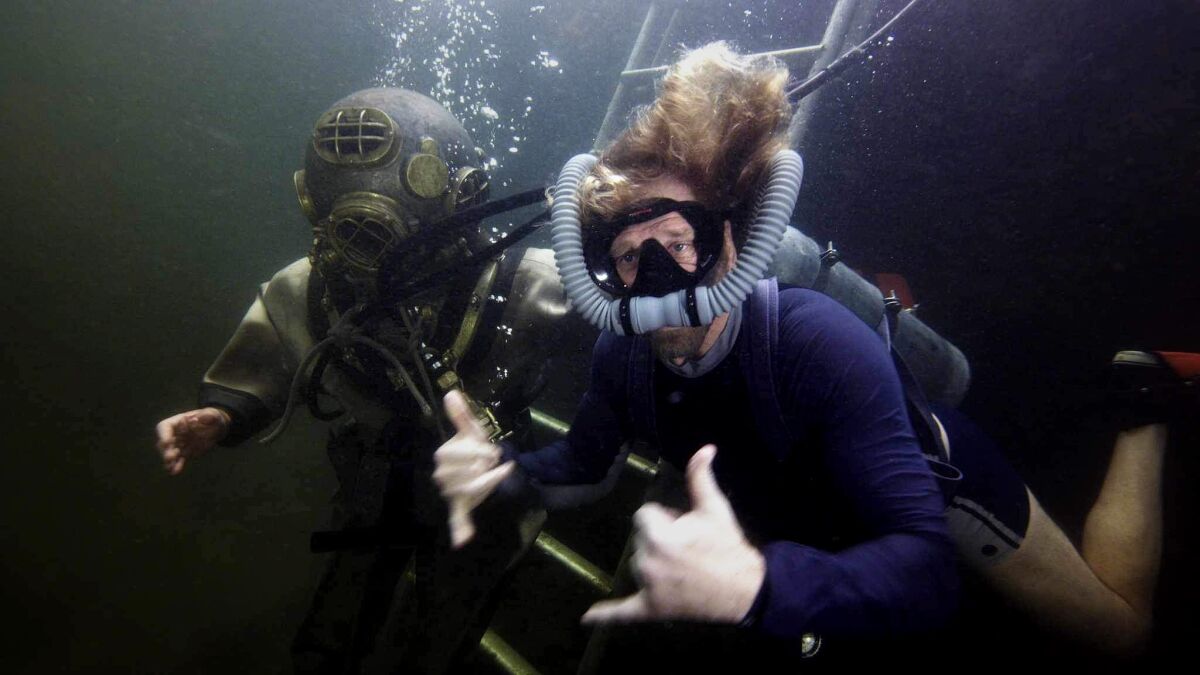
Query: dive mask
[(659, 269)]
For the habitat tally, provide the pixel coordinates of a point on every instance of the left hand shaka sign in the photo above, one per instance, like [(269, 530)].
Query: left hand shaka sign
[(696, 566)]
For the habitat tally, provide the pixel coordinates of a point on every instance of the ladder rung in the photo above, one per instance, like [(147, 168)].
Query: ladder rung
[(581, 566), (550, 423), (778, 53), (642, 465), (504, 655), (559, 427)]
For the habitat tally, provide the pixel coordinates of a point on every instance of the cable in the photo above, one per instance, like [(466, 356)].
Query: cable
[(850, 58), (462, 265)]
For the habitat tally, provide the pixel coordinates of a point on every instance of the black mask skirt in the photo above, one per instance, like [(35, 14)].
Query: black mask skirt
[(658, 274)]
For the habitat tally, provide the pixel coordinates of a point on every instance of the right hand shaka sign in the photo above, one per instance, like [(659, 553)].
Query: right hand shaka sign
[(465, 468)]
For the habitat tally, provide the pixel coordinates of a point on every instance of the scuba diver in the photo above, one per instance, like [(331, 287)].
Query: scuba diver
[(395, 304), (679, 216), (822, 509)]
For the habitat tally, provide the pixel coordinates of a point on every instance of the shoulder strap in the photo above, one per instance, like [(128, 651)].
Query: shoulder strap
[(928, 432), (640, 387), (761, 323)]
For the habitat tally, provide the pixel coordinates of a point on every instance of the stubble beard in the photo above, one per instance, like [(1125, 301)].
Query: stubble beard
[(672, 344)]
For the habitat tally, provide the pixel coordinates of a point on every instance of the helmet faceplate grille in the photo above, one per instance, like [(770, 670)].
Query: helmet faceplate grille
[(354, 136), (362, 241)]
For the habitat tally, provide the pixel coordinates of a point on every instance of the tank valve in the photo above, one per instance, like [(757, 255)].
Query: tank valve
[(830, 256), (892, 303)]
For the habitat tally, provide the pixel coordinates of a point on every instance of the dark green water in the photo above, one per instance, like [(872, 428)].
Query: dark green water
[(1031, 169)]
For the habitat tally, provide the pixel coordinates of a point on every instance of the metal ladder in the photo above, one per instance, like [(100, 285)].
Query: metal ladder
[(645, 62), (654, 38), (494, 647)]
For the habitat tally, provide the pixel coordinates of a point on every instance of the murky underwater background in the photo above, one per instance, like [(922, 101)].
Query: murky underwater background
[(1031, 168)]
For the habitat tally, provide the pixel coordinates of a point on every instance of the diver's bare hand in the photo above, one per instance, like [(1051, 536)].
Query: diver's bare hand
[(465, 468), (189, 435), (696, 566)]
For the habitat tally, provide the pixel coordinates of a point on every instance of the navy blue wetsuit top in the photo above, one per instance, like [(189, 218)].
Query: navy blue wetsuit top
[(851, 523)]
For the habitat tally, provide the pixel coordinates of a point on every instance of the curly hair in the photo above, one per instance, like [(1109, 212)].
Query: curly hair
[(718, 120)]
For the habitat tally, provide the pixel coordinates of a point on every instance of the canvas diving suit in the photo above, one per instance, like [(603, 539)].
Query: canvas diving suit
[(496, 335)]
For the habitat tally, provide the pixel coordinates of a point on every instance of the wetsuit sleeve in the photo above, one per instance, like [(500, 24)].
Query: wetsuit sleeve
[(251, 376), (587, 458), (902, 577)]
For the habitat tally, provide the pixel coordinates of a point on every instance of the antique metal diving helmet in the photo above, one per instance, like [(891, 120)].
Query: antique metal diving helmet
[(382, 165)]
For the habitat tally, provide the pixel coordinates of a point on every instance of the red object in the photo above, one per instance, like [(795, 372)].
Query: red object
[(888, 282), (1185, 364)]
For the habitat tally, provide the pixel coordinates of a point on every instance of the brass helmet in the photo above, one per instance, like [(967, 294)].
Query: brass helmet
[(382, 164)]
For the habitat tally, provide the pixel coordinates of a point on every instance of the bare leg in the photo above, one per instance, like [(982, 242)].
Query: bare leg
[(1122, 538), (1103, 595)]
